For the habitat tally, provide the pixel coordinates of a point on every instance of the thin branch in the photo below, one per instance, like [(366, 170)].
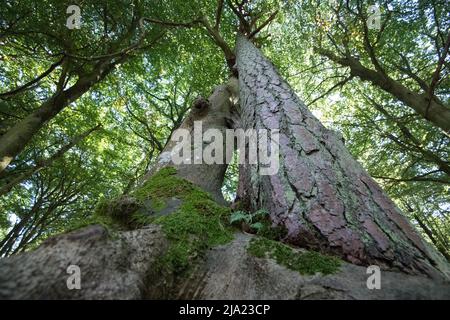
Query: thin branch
[(339, 84), (245, 26), (191, 24), (415, 179), (30, 83), (218, 14), (262, 26), (436, 74)]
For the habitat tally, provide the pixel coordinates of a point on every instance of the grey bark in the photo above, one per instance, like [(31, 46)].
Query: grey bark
[(216, 112), (321, 195), (112, 266)]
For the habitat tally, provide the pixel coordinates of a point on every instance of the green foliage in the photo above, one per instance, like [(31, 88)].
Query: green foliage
[(255, 220), (309, 262), (139, 104)]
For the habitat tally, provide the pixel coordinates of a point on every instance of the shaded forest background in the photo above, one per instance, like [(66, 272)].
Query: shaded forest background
[(143, 78)]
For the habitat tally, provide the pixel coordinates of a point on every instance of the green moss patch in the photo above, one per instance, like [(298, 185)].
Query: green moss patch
[(198, 224), (117, 212), (309, 262)]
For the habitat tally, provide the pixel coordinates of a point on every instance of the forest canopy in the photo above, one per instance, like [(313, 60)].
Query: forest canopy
[(126, 77)]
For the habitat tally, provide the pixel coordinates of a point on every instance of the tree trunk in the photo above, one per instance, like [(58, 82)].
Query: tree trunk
[(217, 112), (46, 162), (17, 137), (321, 195)]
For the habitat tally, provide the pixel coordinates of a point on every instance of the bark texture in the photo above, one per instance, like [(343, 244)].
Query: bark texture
[(321, 195), (123, 266), (230, 272), (116, 266), (216, 112)]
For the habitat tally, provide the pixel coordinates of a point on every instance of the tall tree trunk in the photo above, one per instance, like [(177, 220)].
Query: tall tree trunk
[(321, 195)]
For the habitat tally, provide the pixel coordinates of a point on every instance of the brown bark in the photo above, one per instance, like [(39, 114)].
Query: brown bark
[(321, 195)]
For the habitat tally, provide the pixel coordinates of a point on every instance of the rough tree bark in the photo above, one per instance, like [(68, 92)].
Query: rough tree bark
[(321, 195)]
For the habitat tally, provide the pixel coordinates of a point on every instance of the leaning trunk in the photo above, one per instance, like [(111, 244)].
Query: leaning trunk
[(16, 138), (321, 195), (425, 105), (215, 113)]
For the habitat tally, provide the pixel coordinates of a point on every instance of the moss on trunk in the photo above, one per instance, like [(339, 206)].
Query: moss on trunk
[(310, 262)]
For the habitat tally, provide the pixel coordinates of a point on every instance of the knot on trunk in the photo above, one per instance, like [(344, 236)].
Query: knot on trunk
[(201, 103), (120, 210), (200, 107)]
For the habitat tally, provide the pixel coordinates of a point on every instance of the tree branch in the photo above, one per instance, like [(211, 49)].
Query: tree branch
[(218, 14), (30, 83), (436, 74), (339, 84), (262, 26), (40, 164)]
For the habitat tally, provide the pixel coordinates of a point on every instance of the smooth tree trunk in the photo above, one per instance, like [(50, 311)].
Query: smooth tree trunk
[(321, 195), (218, 112)]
